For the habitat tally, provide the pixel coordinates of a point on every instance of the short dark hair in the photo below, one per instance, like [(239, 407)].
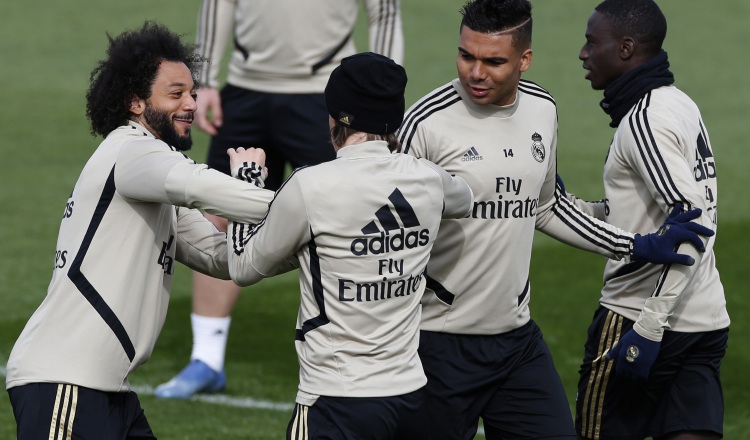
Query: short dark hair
[(641, 20), (129, 71), (494, 16)]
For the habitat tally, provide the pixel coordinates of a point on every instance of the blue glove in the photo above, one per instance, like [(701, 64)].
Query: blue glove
[(659, 247), (634, 356)]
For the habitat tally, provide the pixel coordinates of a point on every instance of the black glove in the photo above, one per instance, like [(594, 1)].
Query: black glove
[(659, 247), (634, 356)]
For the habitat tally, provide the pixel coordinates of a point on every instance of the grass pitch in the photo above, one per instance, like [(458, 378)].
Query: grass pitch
[(48, 50)]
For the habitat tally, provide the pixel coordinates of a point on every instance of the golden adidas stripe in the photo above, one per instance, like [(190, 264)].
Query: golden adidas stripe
[(64, 412), (601, 369)]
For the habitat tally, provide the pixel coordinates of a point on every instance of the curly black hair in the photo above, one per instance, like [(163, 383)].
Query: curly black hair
[(129, 71), (495, 16)]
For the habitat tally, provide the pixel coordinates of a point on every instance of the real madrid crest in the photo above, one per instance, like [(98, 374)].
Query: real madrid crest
[(537, 147)]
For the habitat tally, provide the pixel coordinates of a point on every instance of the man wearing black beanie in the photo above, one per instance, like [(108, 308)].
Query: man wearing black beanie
[(366, 93), (360, 229)]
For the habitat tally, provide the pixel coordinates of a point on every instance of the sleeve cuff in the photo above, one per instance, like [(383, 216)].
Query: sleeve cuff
[(251, 173)]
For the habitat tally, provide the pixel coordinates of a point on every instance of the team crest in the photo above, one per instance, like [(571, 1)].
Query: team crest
[(537, 148), (632, 353)]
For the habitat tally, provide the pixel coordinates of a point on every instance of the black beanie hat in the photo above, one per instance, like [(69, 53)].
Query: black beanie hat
[(366, 93)]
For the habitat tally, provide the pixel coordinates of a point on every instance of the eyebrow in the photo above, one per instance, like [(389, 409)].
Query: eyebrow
[(491, 59)]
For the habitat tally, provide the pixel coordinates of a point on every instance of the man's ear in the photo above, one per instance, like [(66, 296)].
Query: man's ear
[(627, 48), (526, 57), (137, 106)]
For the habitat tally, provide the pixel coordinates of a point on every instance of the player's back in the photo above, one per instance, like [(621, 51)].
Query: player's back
[(373, 218)]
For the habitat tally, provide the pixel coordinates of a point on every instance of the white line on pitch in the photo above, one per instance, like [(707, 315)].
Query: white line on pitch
[(223, 399), (216, 399)]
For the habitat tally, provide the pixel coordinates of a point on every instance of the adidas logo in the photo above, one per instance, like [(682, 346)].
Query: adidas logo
[(471, 155), (391, 232), (345, 118)]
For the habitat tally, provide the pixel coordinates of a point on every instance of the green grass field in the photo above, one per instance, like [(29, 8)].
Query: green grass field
[(48, 48)]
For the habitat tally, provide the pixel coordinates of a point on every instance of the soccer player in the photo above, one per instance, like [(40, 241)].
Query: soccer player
[(130, 218), (360, 228), (654, 349), (483, 355), (284, 51)]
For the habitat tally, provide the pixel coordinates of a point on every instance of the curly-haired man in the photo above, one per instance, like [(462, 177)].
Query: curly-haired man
[(131, 215)]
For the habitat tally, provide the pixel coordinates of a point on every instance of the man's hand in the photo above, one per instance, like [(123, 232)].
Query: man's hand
[(248, 164), (208, 115), (634, 356), (237, 157), (659, 247)]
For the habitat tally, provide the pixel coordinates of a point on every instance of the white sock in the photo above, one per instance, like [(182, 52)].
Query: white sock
[(210, 339)]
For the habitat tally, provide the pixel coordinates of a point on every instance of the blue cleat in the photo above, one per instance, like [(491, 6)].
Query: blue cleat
[(197, 377)]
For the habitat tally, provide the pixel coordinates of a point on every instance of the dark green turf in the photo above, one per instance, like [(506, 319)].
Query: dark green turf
[(48, 48)]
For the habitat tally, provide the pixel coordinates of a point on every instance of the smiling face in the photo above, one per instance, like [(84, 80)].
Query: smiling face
[(605, 56), (168, 113), (489, 66)]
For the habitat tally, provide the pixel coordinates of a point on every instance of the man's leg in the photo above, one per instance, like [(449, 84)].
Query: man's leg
[(213, 301), (246, 122), (531, 402), (52, 410)]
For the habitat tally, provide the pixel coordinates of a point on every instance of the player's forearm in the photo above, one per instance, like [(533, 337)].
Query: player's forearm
[(595, 209), (270, 248), (458, 196), (200, 246), (241, 268), (200, 187), (658, 309), (251, 258), (565, 222)]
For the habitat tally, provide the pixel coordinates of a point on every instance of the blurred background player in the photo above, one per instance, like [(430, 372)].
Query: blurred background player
[(654, 349), (357, 327), (284, 52)]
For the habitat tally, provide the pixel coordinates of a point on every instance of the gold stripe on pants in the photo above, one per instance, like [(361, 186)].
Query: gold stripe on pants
[(601, 368), (64, 412), (299, 425)]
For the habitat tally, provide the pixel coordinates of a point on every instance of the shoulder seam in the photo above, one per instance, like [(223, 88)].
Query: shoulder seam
[(533, 89), (648, 150), (436, 101)]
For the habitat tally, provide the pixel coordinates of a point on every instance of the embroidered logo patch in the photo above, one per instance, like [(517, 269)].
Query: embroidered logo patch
[(538, 150)]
